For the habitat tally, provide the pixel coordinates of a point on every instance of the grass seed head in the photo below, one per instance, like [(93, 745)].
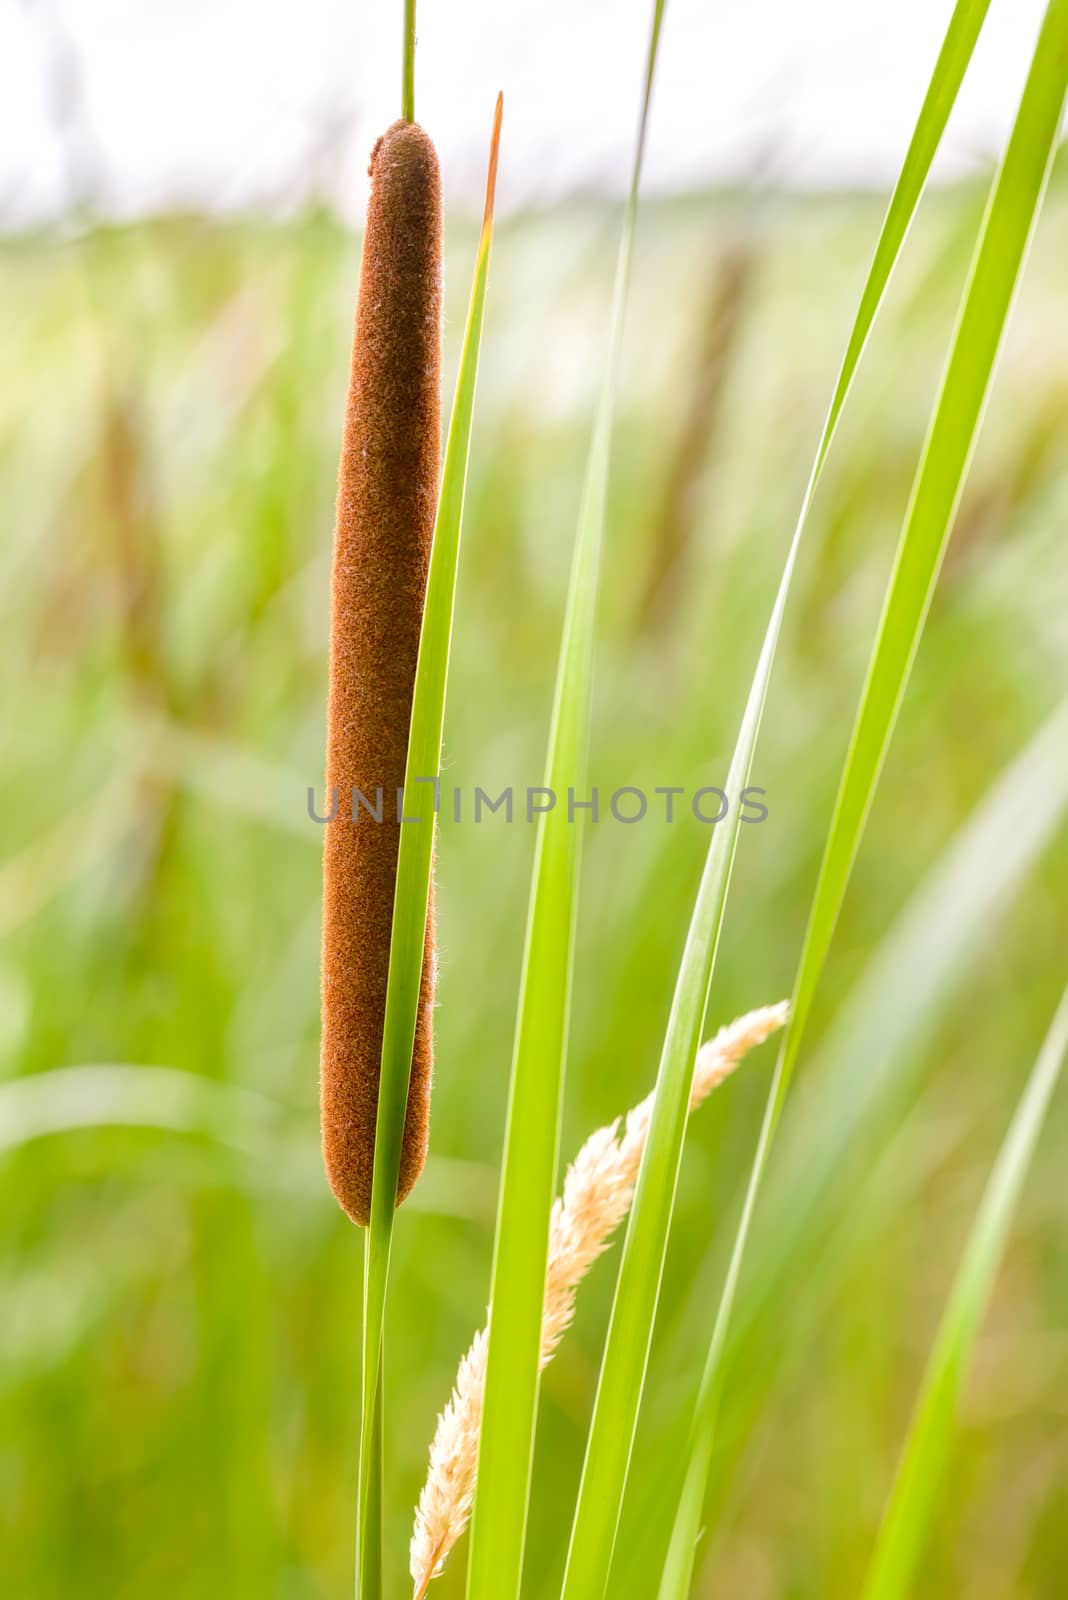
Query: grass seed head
[(598, 1189)]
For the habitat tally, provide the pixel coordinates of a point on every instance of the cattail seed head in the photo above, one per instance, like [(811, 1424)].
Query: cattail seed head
[(387, 498)]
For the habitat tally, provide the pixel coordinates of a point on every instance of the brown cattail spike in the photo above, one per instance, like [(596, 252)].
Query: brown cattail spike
[(387, 497)]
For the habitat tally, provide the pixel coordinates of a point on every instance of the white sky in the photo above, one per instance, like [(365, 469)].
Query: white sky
[(231, 103)]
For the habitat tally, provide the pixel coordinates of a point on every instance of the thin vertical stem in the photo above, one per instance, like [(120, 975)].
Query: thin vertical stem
[(369, 1498), (408, 69)]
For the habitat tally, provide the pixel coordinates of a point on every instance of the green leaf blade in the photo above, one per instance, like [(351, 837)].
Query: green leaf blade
[(893, 1009), (1008, 225), (626, 1353), (499, 1515), (930, 1433), (889, 1019), (630, 1332), (1005, 235), (957, 49)]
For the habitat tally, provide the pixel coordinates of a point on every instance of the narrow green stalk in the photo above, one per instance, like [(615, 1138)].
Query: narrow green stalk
[(408, 66), (370, 1499)]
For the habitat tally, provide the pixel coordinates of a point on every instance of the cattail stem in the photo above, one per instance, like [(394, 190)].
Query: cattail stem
[(408, 66), (598, 1189), (370, 1507)]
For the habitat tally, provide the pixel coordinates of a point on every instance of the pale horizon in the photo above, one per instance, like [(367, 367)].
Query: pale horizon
[(225, 105)]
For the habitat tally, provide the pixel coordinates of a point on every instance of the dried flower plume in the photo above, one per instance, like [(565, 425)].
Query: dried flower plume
[(598, 1189)]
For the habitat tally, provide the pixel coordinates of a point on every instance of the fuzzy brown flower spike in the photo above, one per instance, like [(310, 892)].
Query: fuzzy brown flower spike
[(387, 497)]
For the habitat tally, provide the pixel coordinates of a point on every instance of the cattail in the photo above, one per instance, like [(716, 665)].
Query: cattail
[(387, 497), (598, 1189)]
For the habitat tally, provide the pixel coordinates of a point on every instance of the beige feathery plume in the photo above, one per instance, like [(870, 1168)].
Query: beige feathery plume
[(598, 1189)]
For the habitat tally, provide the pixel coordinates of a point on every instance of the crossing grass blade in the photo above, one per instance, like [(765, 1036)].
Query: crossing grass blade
[(889, 1018), (1006, 231), (626, 1353), (894, 1007), (411, 897), (630, 1332), (499, 1516), (930, 1433), (953, 58), (1005, 235)]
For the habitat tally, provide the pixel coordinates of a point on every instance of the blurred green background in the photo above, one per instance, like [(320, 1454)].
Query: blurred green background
[(179, 1335)]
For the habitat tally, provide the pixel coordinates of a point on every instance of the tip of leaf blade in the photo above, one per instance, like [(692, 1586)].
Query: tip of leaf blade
[(491, 175)]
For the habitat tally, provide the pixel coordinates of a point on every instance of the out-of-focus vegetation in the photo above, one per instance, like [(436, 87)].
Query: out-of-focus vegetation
[(179, 1344)]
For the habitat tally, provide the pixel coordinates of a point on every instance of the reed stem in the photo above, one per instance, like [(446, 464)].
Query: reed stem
[(369, 1497), (408, 67)]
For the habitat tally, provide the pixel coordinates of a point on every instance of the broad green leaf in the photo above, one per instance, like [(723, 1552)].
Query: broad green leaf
[(931, 1430), (1008, 224), (532, 1135), (412, 892), (634, 1311)]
